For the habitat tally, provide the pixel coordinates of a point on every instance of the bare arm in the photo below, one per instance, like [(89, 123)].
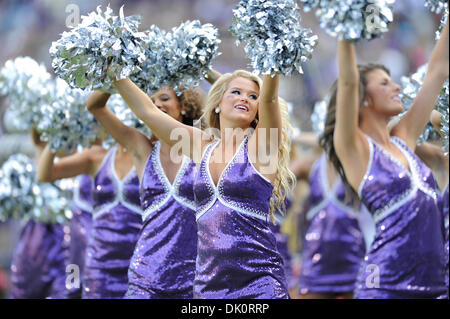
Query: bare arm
[(307, 139), (347, 100), (349, 142), (161, 124), (70, 166), (302, 165), (435, 119), (212, 76), (412, 124), (129, 137), (269, 109)]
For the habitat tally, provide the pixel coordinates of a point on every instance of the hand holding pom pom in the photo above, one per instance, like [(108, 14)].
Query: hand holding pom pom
[(101, 47), (275, 41), (352, 19)]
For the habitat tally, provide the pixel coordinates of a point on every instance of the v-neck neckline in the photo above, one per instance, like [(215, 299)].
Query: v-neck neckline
[(113, 168), (329, 190), (409, 169), (208, 163), (160, 168)]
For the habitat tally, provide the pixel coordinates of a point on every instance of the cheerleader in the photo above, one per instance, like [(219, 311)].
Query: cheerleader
[(38, 268), (237, 255), (163, 262), (116, 214), (80, 226), (442, 161), (334, 243), (406, 258)]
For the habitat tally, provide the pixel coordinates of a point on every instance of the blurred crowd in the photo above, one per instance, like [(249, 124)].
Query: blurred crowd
[(27, 28)]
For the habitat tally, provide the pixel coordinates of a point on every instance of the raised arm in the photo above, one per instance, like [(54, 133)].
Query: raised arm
[(38, 144), (130, 138), (269, 108), (435, 119), (161, 124), (70, 166), (414, 121), (309, 139), (212, 76), (349, 142), (347, 98), (301, 166)]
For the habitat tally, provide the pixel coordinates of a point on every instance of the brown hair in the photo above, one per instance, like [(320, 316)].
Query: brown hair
[(326, 138), (192, 102)]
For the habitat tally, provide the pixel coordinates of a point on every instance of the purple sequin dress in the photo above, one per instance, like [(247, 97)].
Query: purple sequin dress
[(38, 268), (406, 258), (282, 246), (117, 220), (80, 227), (334, 244), (445, 200), (237, 254), (163, 263)]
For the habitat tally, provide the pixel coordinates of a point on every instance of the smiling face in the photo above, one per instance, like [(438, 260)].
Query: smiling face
[(239, 104), (167, 101), (383, 93)]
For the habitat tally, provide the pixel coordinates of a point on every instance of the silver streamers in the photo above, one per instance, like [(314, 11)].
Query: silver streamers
[(442, 25), (66, 123), (437, 5), (275, 41), (180, 58), (118, 106), (22, 196), (410, 89), (25, 83), (318, 116), (155, 60), (352, 19), (101, 47), (443, 107)]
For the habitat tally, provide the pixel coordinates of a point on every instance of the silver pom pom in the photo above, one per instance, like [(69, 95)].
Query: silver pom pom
[(22, 196), (26, 85), (16, 187), (318, 116), (410, 88), (352, 19), (102, 47), (437, 5), (444, 131), (66, 124), (178, 59), (275, 41), (442, 106), (442, 25)]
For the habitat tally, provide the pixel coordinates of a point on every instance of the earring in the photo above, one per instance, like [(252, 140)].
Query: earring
[(183, 112), (366, 104), (217, 110)]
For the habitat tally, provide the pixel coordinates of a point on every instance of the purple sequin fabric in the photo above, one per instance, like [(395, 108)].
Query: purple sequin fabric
[(80, 226), (237, 254), (406, 258), (117, 220), (38, 268), (163, 263), (282, 245), (333, 245), (445, 200)]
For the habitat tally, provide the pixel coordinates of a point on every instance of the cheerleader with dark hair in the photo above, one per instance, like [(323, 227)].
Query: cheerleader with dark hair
[(406, 258)]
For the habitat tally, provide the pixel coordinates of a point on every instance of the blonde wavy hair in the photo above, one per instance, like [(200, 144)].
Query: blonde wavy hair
[(284, 179)]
